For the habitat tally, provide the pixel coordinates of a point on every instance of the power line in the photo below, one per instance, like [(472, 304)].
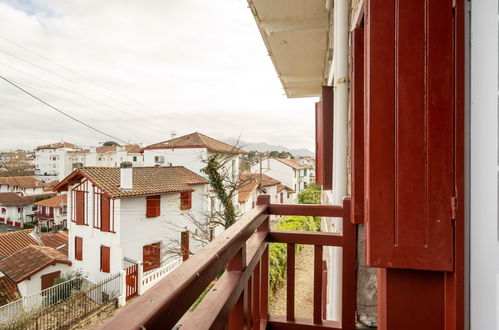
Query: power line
[(61, 111)]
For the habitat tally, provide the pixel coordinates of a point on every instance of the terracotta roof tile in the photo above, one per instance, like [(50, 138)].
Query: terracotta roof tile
[(13, 199), (22, 181), (58, 241), (30, 260), (15, 241), (249, 183), (197, 140), (146, 180), (293, 163), (56, 201), (56, 145), (281, 187), (8, 291)]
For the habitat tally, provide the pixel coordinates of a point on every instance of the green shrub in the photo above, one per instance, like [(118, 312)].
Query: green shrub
[(310, 195), (28, 225), (65, 229), (43, 229), (278, 251)]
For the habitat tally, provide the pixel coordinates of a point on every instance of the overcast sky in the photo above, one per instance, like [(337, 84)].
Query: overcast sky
[(139, 70)]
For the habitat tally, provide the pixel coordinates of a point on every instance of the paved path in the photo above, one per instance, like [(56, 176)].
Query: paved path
[(304, 281)]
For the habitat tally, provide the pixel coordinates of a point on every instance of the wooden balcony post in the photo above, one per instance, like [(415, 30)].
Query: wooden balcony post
[(237, 317), (290, 287), (349, 297), (317, 284), (264, 268), (256, 297)]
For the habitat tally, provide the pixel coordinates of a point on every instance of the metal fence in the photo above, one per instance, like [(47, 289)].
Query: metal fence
[(60, 306)]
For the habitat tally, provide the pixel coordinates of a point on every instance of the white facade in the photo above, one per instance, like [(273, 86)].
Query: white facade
[(16, 215), (484, 160), (33, 284), (191, 158), (296, 179), (132, 231), (51, 164)]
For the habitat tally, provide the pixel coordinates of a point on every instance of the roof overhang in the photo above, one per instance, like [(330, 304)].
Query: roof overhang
[(296, 34)]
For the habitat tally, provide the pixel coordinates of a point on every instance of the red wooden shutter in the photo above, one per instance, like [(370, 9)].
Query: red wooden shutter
[(105, 259), (78, 248), (186, 200), (324, 139), (153, 206), (410, 134), (357, 126), (151, 256), (48, 280), (105, 214), (80, 207)]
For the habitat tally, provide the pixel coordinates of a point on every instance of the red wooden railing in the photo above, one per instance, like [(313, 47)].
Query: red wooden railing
[(239, 299)]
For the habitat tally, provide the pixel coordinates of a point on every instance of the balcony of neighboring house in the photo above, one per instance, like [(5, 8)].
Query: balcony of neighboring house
[(46, 213), (240, 296)]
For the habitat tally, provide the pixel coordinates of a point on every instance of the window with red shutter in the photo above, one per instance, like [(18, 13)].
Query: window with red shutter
[(153, 208), (151, 256), (186, 200), (410, 134), (78, 248), (357, 125), (324, 139), (105, 213), (80, 207), (105, 259), (48, 280)]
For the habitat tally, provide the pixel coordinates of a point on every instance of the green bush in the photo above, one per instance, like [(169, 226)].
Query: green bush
[(310, 195), (278, 251), (28, 225), (65, 229), (43, 229)]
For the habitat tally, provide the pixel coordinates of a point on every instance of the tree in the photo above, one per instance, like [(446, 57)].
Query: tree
[(310, 195), (110, 144)]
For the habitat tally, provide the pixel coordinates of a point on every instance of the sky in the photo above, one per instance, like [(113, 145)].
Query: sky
[(140, 71)]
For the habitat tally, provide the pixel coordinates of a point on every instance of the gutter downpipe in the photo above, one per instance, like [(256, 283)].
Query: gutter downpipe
[(340, 81)]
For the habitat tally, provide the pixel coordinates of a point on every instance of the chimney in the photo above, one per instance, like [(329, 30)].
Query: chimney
[(126, 176)]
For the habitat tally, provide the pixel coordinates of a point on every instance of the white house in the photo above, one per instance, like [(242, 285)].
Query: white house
[(22, 185), (103, 156), (252, 185), (123, 216), (34, 268), (192, 151), (50, 161), (292, 173), (52, 211), (15, 210)]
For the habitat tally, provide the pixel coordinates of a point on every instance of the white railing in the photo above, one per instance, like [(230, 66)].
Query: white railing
[(154, 276), (44, 298)]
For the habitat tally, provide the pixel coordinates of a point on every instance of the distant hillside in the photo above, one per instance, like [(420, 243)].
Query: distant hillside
[(264, 147)]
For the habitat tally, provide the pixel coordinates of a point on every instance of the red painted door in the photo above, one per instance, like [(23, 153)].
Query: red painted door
[(410, 134)]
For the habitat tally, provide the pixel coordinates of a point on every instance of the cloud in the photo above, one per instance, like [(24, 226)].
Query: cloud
[(143, 69)]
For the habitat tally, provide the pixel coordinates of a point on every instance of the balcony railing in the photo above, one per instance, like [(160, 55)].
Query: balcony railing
[(239, 299)]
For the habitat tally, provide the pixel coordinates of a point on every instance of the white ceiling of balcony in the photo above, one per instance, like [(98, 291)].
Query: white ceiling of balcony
[(296, 34)]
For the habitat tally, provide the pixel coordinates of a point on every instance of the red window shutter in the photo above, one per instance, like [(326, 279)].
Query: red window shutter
[(78, 248), (151, 256), (153, 206), (80, 207), (357, 125), (48, 280), (324, 139), (105, 214), (410, 134), (105, 259), (186, 200)]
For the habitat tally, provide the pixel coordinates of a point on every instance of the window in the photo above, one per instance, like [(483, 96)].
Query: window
[(186, 200), (295, 173), (153, 208), (134, 158), (105, 259), (80, 208), (305, 172), (18, 210), (49, 279), (151, 256), (105, 214), (304, 185), (78, 248), (4, 210)]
